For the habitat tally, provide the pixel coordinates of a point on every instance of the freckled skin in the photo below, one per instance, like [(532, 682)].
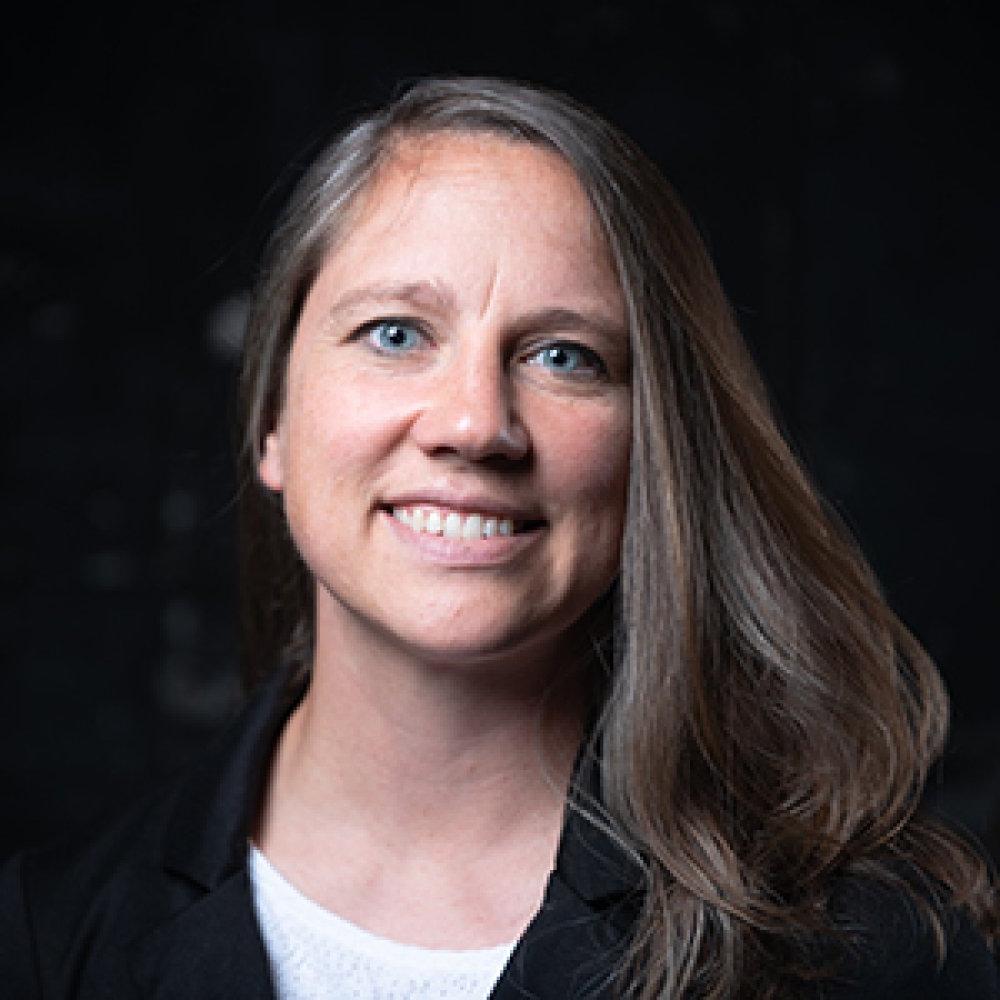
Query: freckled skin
[(499, 231)]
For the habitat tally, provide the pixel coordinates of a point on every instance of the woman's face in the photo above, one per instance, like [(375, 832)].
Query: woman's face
[(454, 441)]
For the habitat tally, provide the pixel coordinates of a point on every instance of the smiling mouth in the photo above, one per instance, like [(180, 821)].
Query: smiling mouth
[(462, 525)]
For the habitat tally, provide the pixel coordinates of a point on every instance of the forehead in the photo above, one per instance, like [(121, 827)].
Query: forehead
[(467, 158), (480, 160), (507, 198)]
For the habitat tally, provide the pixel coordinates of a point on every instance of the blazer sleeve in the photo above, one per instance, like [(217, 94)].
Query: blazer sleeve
[(18, 967)]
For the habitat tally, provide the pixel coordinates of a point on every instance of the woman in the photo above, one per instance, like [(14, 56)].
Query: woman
[(576, 688)]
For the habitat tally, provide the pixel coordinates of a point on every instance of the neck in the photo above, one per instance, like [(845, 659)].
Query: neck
[(428, 755)]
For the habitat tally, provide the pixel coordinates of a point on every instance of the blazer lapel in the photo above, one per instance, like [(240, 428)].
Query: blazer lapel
[(578, 939), (210, 951), (210, 948), (570, 950)]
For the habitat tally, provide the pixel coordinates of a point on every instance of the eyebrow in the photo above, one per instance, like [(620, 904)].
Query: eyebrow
[(438, 298), (558, 318), (419, 294)]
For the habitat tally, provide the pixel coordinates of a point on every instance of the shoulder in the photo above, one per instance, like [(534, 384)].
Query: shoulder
[(59, 902), (888, 948), (72, 912)]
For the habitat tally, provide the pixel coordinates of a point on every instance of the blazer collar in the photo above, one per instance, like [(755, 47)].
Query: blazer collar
[(209, 950), (214, 814), (591, 859), (208, 831), (570, 948), (578, 938)]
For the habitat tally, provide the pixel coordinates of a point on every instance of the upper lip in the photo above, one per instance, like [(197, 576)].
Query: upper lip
[(468, 502)]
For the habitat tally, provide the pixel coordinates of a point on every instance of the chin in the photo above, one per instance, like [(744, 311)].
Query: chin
[(513, 649), (466, 648)]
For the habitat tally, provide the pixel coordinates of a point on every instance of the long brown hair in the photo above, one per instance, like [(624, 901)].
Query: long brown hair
[(767, 722)]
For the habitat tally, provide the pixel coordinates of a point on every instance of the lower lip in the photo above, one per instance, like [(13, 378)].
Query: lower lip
[(463, 552)]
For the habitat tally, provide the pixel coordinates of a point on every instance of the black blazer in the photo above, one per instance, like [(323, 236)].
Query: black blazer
[(160, 906)]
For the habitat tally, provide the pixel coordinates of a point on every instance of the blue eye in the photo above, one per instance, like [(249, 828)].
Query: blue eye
[(393, 336), (569, 359)]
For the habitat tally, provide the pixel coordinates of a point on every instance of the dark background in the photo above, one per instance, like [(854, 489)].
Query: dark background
[(836, 155)]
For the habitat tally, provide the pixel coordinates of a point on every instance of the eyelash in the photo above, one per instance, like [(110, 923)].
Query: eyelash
[(595, 367)]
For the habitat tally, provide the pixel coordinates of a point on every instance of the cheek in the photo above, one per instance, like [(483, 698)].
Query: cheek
[(337, 427), (587, 458)]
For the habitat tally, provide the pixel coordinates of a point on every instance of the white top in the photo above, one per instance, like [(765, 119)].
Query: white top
[(316, 955)]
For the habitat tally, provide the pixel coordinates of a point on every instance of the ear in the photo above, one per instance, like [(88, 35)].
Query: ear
[(270, 469)]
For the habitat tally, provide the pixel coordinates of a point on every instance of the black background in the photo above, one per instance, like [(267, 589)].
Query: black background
[(836, 155)]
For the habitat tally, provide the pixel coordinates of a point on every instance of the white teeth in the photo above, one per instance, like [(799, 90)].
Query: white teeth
[(451, 524)]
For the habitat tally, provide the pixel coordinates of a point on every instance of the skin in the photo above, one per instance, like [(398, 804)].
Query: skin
[(421, 750)]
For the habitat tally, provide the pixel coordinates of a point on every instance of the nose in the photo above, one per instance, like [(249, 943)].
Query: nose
[(469, 411)]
